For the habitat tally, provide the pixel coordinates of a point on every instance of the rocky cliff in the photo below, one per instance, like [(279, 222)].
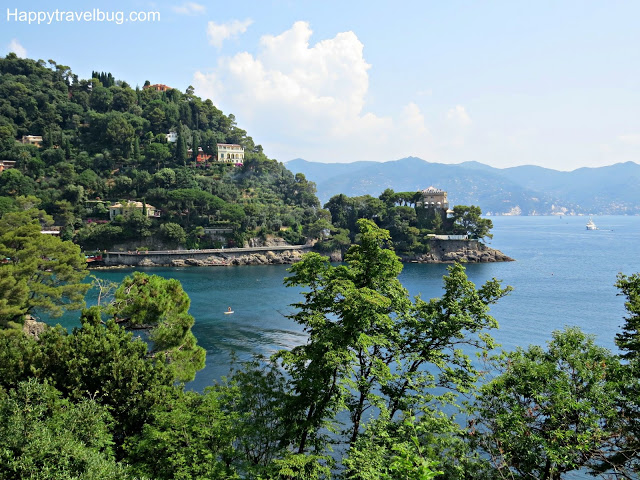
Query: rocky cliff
[(450, 251)]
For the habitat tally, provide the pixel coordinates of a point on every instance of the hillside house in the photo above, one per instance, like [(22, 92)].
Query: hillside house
[(126, 207), (158, 87), (201, 157), (32, 140), (6, 164), (230, 153), (172, 137)]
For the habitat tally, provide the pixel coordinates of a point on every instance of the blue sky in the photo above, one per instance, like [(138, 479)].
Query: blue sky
[(550, 83)]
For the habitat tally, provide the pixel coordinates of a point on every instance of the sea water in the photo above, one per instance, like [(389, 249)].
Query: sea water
[(562, 275)]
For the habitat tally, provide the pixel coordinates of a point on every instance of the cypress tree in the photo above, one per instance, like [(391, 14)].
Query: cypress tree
[(136, 150), (194, 146), (181, 147)]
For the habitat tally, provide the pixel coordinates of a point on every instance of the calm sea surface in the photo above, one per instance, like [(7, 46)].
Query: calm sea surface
[(563, 275)]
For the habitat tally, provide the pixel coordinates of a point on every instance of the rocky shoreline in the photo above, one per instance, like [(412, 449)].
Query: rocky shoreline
[(221, 260), (472, 252), (440, 251)]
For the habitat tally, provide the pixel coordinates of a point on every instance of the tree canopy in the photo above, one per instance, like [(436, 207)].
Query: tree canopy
[(39, 272), (375, 392), (410, 223), (161, 306), (104, 142)]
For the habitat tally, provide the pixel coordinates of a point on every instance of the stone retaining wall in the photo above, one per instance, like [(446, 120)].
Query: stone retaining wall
[(211, 257)]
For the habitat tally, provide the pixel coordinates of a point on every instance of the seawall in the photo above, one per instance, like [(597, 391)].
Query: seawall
[(441, 251), (271, 255)]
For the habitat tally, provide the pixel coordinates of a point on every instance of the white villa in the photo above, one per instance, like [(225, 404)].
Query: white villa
[(230, 153)]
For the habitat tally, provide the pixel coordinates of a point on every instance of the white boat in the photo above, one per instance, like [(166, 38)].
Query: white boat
[(591, 225)]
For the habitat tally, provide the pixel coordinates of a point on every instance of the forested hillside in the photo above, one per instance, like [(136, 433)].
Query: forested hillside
[(104, 141)]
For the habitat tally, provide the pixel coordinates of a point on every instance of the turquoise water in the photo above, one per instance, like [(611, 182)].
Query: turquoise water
[(563, 275)]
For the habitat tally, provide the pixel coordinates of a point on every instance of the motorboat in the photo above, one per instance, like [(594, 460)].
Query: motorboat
[(591, 225)]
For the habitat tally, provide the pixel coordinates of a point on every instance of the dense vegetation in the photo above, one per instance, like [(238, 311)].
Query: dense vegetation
[(375, 393), (386, 386), (407, 220), (104, 142)]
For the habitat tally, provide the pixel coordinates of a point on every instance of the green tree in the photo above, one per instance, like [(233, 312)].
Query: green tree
[(627, 454), (369, 346), (549, 411), (319, 229), (43, 272), (123, 98), (187, 437), (181, 148), (120, 133), (14, 183), (194, 146), (165, 177), (629, 340), (395, 450), (100, 99), (137, 225), (468, 221), (44, 436), (100, 361), (7, 204), (173, 233), (156, 154), (161, 305)]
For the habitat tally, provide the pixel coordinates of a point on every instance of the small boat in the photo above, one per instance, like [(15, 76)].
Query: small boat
[(591, 225), (228, 312)]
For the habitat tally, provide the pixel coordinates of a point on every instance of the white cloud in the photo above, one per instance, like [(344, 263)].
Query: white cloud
[(303, 100), (19, 50), (413, 119), (630, 139), (190, 8), (219, 32), (459, 115)]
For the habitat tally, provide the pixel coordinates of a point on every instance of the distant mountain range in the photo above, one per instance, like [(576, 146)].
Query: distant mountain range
[(523, 190)]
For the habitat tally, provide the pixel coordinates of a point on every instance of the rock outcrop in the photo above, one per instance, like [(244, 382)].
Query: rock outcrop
[(464, 251), (33, 327)]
